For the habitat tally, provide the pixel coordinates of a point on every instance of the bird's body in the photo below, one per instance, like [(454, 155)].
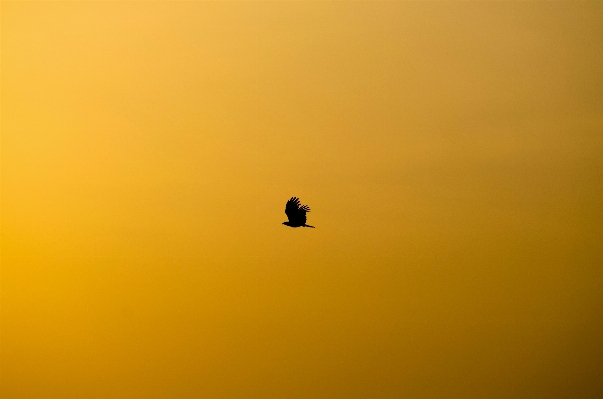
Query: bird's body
[(296, 213)]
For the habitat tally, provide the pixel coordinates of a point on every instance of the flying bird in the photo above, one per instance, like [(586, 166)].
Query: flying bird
[(296, 213)]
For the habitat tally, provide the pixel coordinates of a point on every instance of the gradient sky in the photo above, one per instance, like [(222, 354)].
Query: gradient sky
[(452, 155)]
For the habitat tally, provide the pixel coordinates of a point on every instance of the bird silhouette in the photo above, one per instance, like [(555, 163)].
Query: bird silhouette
[(296, 213)]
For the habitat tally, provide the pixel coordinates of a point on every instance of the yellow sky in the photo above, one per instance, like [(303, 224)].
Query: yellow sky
[(451, 152)]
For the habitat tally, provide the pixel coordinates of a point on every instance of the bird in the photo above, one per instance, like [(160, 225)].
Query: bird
[(296, 213)]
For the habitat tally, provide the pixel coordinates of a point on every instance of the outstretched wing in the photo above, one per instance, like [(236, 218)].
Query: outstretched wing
[(296, 213)]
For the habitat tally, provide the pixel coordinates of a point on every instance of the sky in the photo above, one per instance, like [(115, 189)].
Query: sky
[(451, 153)]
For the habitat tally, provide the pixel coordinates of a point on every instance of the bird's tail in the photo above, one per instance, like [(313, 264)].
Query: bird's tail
[(307, 225)]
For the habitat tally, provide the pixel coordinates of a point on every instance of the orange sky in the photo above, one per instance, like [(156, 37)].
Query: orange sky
[(451, 152)]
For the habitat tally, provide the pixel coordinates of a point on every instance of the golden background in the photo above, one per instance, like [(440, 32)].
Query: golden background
[(452, 155)]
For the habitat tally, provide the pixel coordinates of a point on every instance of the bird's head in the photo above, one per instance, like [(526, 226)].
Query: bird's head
[(286, 223)]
